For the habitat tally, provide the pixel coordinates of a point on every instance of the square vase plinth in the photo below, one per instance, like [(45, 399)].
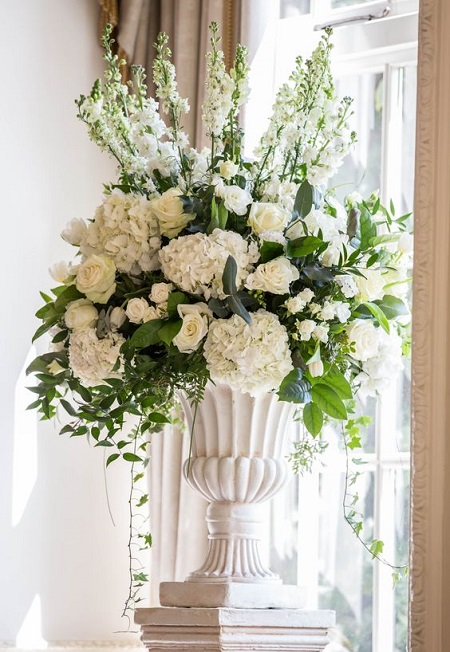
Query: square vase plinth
[(221, 628), (231, 594)]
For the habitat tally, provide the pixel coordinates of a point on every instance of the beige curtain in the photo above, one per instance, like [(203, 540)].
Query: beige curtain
[(138, 22)]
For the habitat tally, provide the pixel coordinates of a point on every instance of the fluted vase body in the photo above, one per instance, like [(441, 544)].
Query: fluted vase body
[(237, 462)]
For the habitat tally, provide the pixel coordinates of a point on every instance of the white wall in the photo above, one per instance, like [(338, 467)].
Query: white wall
[(62, 562)]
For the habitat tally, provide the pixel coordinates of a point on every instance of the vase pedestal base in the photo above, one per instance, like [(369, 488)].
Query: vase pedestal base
[(231, 594), (221, 628)]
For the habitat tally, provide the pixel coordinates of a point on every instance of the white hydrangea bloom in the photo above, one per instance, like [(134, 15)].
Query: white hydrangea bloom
[(124, 228), (92, 359), (195, 263), (252, 358), (379, 370)]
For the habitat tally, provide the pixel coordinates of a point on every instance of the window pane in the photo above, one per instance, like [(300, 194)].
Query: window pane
[(337, 4), (361, 170), (291, 8), (345, 568), (408, 139), (401, 547)]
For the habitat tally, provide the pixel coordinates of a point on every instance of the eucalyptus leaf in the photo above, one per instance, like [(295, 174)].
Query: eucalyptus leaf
[(237, 307), (229, 276)]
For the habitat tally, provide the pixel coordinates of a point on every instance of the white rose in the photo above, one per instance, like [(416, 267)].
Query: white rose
[(152, 313), (228, 169), (96, 278), (194, 328), (343, 311), (136, 310), (363, 334), (160, 292), (74, 231), (274, 276), (316, 368), (370, 286), (80, 314), (328, 311), (306, 328), (267, 217), (117, 318), (405, 243), (294, 304), (59, 271), (235, 199), (169, 211), (306, 295)]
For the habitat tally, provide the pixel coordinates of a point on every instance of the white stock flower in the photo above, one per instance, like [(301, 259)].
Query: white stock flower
[(365, 338), (274, 276), (370, 286), (169, 210), (228, 170), (125, 229), (59, 271), (80, 314), (348, 286), (74, 231), (92, 359), (236, 199), (138, 311), (96, 278), (265, 216), (160, 292), (272, 236), (117, 318), (194, 328), (252, 358), (379, 371)]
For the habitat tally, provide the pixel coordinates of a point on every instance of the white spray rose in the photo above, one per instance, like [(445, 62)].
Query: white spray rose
[(235, 199), (363, 334), (138, 310), (320, 332), (305, 328), (74, 231), (169, 211), (96, 278), (274, 276), (80, 314), (194, 328), (267, 217), (160, 292), (228, 169)]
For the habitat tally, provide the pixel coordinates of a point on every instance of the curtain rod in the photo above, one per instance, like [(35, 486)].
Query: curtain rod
[(355, 19)]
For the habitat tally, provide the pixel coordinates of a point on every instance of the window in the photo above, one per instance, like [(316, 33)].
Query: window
[(311, 544)]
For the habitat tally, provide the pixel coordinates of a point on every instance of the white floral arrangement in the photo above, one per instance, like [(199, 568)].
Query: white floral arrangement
[(205, 266)]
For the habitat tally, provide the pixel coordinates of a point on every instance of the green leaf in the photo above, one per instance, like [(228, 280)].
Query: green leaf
[(379, 315), (294, 388), (111, 458), (175, 298), (270, 250), (45, 327), (328, 401), (316, 355), (304, 199), (147, 334), (70, 293), (352, 223), (46, 311), (68, 408), (157, 417), (131, 457), (170, 330), (376, 547), (46, 298), (367, 227), (229, 276), (313, 418), (316, 272), (222, 215), (303, 246), (237, 307), (392, 306), (335, 379), (383, 239)]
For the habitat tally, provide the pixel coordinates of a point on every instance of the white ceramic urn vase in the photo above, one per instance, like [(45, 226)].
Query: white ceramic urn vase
[(237, 463)]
